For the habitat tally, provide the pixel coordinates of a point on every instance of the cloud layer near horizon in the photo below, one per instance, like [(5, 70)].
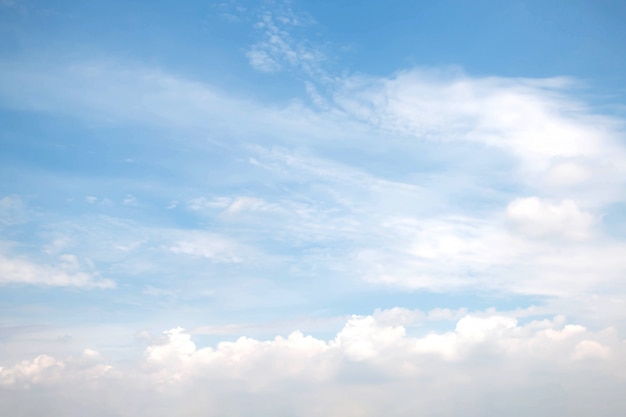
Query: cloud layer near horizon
[(370, 367)]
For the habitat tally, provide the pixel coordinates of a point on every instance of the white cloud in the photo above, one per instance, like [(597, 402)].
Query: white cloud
[(362, 338), (537, 217), (262, 61), (177, 346), (401, 180), (211, 246), (278, 49), (367, 367), (26, 372), (66, 273), (451, 253), (529, 117), (568, 173), (436, 224), (591, 349), (201, 203), (231, 205), (45, 370)]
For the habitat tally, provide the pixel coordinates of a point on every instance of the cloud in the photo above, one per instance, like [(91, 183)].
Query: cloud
[(94, 90), (245, 204), (432, 182), (279, 50), (416, 181), (45, 370), (556, 257), (66, 273), (25, 373), (536, 217), (214, 247), (262, 61), (591, 349), (533, 119), (365, 369), (568, 173), (230, 205), (425, 216)]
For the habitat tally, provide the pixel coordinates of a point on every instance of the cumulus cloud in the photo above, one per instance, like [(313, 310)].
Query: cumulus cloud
[(314, 377), (47, 371), (25, 373)]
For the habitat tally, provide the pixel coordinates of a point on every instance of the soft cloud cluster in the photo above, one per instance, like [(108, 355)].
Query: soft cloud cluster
[(46, 370), (486, 354)]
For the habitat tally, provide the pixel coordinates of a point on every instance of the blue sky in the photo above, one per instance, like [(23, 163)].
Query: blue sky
[(312, 201)]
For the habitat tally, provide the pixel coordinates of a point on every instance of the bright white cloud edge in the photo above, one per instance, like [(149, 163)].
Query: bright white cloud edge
[(485, 355)]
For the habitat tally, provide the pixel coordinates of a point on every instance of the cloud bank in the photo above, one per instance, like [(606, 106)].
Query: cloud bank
[(371, 366)]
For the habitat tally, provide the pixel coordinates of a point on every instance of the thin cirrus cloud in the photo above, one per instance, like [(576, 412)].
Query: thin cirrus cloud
[(67, 272), (530, 120), (278, 50)]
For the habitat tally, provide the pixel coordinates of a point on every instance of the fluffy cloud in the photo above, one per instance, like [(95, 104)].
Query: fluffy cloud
[(48, 371), (25, 373), (484, 355)]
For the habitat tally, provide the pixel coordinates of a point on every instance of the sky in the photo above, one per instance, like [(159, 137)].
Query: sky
[(312, 208)]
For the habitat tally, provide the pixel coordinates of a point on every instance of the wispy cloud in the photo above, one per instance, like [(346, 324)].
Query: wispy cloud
[(400, 225), (67, 272), (213, 247)]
